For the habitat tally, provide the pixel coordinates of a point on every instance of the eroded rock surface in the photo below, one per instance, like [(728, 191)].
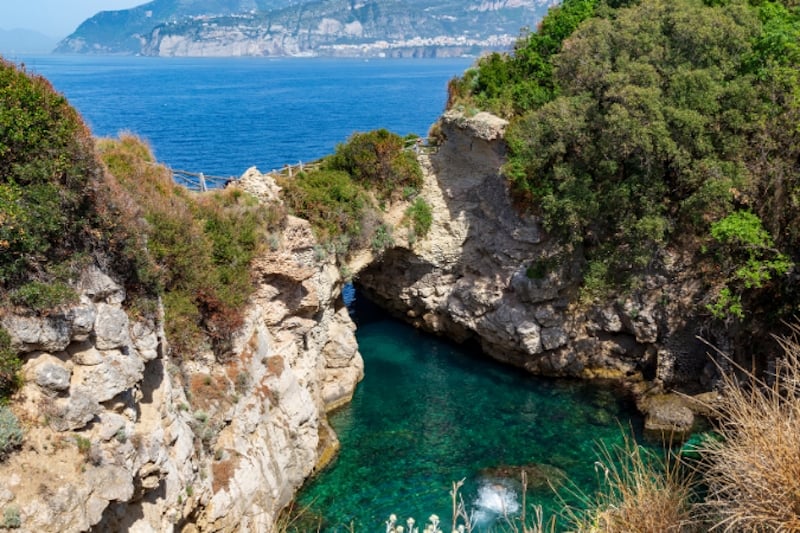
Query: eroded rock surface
[(121, 437), (489, 272)]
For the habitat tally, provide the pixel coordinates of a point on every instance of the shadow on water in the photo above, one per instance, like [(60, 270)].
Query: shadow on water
[(430, 412)]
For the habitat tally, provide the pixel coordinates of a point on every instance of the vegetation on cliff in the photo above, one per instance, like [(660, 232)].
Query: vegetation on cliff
[(343, 194), (66, 203), (637, 125), (199, 247)]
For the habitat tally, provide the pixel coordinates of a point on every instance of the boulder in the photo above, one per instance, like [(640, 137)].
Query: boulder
[(49, 373), (111, 327)]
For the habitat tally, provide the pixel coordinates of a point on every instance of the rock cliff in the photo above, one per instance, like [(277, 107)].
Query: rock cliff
[(120, 437), (488, 272)]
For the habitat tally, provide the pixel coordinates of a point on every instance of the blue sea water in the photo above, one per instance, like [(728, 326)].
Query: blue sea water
[(222, 116), (428, 413)]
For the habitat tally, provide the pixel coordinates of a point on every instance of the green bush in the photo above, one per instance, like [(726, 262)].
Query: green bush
[(511, 84), (421, 216), (9, 366), (11, 518), (42, 296), (378, 160), (382, 239), (199, 246), (10, 432), (46, 164)]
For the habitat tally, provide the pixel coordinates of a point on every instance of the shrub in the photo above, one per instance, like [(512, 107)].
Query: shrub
[(200, 247), (753, 470), (382, 239), (378, 160), (9, 365), (11, 518), (10, 431), (421, 216), (42, 296), (329, 199), (47, 163)]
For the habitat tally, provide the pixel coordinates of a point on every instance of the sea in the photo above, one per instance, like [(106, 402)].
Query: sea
[(429, 413), (221, 116)]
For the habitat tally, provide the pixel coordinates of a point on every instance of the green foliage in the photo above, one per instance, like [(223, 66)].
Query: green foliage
[(42, 296), (378, 160), (747, 254), (11, 518), (726, 305), (329, 199), (11, 434), (421, 216), (657, 124), (513, 84), (199, 247), (47, 165), (382, 239), (9, 366)]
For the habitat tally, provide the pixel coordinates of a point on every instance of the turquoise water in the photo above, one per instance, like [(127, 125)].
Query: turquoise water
[(429, 413)]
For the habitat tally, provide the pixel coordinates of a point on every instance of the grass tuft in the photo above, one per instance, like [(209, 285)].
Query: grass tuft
[(753, 471), (640, 492)]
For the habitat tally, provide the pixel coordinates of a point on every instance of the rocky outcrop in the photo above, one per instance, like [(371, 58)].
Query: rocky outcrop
[(489, 272), (119, 436)]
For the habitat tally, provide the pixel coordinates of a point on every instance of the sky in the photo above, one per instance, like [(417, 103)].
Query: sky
[(55, 18)]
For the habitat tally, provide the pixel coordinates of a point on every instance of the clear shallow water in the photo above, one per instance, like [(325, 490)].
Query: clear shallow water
[(222, 116), (429, 413)]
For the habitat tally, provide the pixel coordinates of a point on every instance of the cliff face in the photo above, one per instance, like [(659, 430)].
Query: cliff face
[(489, 273), (118, 437), (337, 28)]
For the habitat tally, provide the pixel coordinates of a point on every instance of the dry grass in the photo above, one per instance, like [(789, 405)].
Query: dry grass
[(753, 472), (640, 493)]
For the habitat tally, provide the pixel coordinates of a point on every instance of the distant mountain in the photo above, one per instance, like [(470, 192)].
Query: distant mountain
[(393, 28), (18, 41)]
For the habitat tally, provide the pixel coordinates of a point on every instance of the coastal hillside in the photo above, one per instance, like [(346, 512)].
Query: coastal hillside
[(377, 28)]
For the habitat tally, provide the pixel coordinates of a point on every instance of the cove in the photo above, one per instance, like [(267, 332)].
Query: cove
[(429, 412)]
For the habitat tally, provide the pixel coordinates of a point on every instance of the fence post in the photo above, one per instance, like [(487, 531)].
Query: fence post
[(202, 182)]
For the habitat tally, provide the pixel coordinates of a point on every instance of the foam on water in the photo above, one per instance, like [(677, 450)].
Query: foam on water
[(496, 499)]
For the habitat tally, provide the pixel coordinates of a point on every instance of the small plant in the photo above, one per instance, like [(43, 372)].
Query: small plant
[(11, 518), (84, 445), (201, 416), (9, 366), (726, 305), (11, 434), (189, 491), (242, 383), (421, 216), (121, 435), (382, 239)]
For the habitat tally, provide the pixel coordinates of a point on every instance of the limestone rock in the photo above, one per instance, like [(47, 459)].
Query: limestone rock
[(74, 411), (51, 333), (118, 372), (99, 287), (145, 339), (111, 327), (260, 185), (668, 415), (49, 373)]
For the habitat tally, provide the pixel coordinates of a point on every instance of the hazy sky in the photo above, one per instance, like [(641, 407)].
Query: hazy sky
[(56, 18)]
